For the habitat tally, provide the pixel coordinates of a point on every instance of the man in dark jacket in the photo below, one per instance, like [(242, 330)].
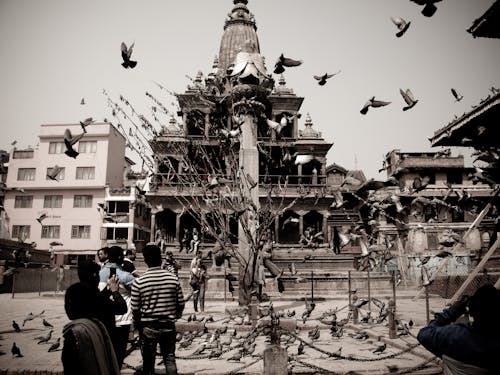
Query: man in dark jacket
[(467, 348)]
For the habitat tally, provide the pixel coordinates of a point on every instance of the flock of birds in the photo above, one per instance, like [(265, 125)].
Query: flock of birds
[(42, 339)]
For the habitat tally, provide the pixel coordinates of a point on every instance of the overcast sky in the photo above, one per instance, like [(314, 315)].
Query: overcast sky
[(54, 52)]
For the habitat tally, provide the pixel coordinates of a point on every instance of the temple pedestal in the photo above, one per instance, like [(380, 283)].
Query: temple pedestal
[(217, 283)]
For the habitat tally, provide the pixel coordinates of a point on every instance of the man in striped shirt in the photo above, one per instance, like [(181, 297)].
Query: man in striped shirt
[(157, 301)]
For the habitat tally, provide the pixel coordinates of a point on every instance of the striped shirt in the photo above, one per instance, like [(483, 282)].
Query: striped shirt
[(157, 296)]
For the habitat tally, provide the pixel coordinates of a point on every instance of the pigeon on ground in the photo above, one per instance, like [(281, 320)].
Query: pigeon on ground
[(409, 99), (283, 62), (16, 352), (55, 345), (401, 24), (47, 324), (300, 348), (380, 349), (372, 102), (457, 95), (16, 326), (323, 78), (82, 102), (126, 53), (69, 141), (45, 338)]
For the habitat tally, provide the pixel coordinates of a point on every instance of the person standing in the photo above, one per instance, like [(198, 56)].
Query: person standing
[(202, 277), (128, 262), (195, 280), (102, 256), (195, 241), (157, 302), (87, 348), (123, 322), (170, 264), (467, 348), (336, 241), (59, 277)]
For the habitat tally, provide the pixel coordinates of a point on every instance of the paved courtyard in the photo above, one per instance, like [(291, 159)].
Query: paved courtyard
[(356, 355)]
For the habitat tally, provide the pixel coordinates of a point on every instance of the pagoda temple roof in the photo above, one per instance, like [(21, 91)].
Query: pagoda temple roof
[(488, 25), (478, 127)]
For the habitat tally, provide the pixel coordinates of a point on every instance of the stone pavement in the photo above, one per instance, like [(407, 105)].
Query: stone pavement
[(37, 359)]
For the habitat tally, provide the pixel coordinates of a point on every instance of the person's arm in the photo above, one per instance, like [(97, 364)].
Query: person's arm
[(135, 304), (439, 332), (119, 305), (180, 302)]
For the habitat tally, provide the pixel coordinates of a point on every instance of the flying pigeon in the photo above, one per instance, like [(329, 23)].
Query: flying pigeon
[(290, 220), (86, 123), (409, 99), (276, 126), (401, 24), (373, 103), (457, 95), (429, 7), (322, 79), (126, 53), (53, 172), (41, 218), (69, 141), (283, 61)]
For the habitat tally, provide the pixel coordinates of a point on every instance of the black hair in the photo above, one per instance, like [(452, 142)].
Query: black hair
[(88, 272), (115, 254), (80, 301), (484, 306), (152, 255)]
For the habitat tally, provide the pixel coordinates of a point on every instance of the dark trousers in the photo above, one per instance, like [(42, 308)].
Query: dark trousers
[(196, 296), (122, 334), (153, 334)]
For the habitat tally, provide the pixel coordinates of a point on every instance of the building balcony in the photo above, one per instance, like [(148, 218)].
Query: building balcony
[(166, 184)]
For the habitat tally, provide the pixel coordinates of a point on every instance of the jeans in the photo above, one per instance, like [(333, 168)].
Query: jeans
[(152, 334)]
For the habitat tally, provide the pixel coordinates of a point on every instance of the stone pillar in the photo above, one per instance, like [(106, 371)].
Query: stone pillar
[(325, 226), (153, 227), (249, 161), (275, 360), (207, 124), (301, 224), (184, 123), (299, 172), (277, 228), (178, 226)]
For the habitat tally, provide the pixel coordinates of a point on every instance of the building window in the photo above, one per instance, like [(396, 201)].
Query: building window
[(51, 231), (82, 201), (116, 233), (80, 231), (21, 231), (23, 201), (57, 147), (85, 173), (26, 174), (60, 175), (23, 154), (87, 147), (118, 207), (454, 177), (52, 201)]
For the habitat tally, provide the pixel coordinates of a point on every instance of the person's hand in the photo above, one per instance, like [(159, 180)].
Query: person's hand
[(114, 283), (461, 303)]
